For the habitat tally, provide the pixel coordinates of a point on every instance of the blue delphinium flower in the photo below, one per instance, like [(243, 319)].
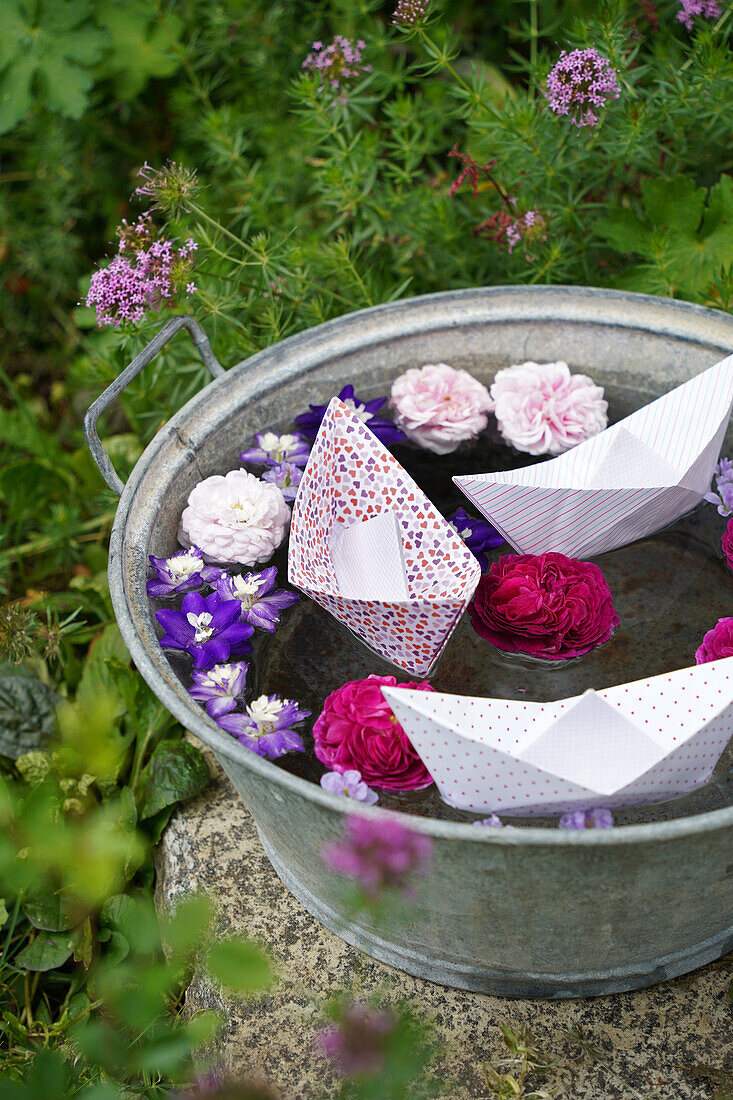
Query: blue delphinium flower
[(207, 627), (384, 429), (478, 535), (180, 573), (494, 821), (349, 784), (586, 819), (287, 476), (266, 727), (724, 484), (218, 688), (273, 449), (260, 605)]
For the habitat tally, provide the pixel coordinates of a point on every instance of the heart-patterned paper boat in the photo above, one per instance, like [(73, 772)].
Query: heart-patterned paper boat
[(369, 547), (640, 742), (621, 485)]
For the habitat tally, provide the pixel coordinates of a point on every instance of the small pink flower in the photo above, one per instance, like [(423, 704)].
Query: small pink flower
[(542, 408), (717, 643), (545, 605), (357, 730), (727, 543), (439, 407), (235, 518)]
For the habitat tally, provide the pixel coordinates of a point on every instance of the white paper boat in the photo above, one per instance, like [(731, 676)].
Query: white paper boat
[(624, 746), (624, 483), (369, 547)]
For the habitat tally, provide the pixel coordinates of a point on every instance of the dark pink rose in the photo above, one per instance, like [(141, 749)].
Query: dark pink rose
[(717, 643), (727, 543), (357, 729), (546, 605)]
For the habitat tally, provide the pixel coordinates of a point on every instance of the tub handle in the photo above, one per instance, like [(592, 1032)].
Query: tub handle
[(94, 443)]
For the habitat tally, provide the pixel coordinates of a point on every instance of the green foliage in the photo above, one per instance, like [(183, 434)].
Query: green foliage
[(26, 714), (46, 48), (685, 238), (303, 208)]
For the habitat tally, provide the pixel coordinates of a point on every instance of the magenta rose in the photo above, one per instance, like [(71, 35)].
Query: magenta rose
[(727, 543), (717, 643), (545, 605), (357, 729)]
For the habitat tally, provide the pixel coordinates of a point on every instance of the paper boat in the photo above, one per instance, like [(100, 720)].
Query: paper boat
[(369, 547), (625, 746), (624, 483)]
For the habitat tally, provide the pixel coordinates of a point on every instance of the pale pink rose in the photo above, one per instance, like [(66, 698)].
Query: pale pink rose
[(542, 408), (235, 517), (439, 407)]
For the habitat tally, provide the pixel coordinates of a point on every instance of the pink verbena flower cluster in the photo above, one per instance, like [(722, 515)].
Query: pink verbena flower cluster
[(409, 12), (530, 228), (144, 274), (708, 9), (580, 83), (338, 62)]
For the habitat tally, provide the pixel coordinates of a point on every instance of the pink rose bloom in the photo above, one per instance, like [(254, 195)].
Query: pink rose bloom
[(439, 407), (542, 408), (727, 543), (357, 729), (235, 517), (547, 606), (717, 643)]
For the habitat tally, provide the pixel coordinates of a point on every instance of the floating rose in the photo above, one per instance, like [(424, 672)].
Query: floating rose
[(385, 430), (273, 449), (717, 643), (218, 688), (287, 476), (379, 853), (547, 606), (349, 785), (439, 407), (260, 605), (266, 728), (586, 819), (541, 408), (478, 535), (359, 1040), (178, 574), (207, 627), (357, 730), (235, 518)]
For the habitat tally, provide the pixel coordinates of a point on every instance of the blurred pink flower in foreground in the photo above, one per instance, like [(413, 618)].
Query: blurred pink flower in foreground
[(379, 853)]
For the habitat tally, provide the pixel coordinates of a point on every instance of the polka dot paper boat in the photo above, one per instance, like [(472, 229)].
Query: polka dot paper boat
[(622, 484), (369, 547), (624, 746)]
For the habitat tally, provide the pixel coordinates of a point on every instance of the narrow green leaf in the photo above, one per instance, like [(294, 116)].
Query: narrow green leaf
[(240, 966)]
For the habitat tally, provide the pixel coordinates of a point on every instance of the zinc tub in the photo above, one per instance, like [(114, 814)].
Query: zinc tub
[(530, 912)]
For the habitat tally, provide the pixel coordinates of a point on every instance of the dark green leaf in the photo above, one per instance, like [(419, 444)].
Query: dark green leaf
[(51, 912), (26, 714), (240, 966), (175, 771), (96, 676), (47, 951)]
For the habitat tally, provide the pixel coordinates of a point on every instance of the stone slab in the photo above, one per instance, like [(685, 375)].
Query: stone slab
[(645, 1044)]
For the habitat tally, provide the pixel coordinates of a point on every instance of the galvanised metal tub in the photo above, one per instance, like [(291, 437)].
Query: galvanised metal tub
[(533, 912)]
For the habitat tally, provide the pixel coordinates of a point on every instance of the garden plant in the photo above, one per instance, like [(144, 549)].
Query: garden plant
[(264, 166)]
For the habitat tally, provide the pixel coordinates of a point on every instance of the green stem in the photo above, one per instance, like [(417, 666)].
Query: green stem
[(445, 63), (533, 36), (47, 542)]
